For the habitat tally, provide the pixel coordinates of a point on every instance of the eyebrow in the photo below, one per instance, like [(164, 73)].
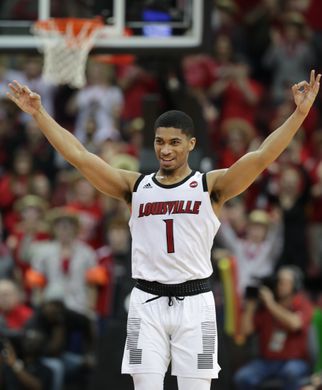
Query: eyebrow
[(171, 139)]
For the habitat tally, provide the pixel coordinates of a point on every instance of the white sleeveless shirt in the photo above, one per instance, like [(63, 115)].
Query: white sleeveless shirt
[(173, 228)]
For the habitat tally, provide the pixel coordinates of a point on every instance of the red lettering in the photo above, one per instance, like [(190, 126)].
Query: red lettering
[(196, 207), (141, 210), (155, 208), (163, 208), (188, 207), (171, 206), (147, 209), (180, 209), (175, 208)]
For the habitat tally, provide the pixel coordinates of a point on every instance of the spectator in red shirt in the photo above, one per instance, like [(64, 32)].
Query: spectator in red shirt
[(136, 82), (237, 136), (238, 92), (14, 314), (14, 184), (86, 203), (282, 322)]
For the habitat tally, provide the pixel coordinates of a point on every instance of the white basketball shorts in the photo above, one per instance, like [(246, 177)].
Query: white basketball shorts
[(184, 333)]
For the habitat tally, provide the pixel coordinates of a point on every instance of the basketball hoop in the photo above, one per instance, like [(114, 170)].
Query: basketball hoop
[(66, 43)]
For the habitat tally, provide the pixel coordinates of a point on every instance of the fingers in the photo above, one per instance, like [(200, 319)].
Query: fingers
[(302, 85), (12, 97), (17, 86), (316, 85), (294, 89), (314, 81), (26, 89), (312, 77), (15, 92), (13, 87), (19, 89)]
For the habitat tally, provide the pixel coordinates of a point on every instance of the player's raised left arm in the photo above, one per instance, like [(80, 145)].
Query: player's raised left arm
[(230, 182)]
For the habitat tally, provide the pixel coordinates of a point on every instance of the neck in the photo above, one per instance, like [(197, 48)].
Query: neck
[(66, 243), (173, 176)]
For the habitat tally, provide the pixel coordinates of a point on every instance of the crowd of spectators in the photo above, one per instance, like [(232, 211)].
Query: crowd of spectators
[(56, 228)]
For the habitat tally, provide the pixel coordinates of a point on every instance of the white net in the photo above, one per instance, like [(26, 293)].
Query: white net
[(66, 53)]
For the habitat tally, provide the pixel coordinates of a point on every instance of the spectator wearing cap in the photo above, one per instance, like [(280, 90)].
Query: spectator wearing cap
[(65, 258), (256, 253), (281, 318)]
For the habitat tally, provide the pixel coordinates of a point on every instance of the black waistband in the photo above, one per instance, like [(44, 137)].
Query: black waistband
[(191, 287)]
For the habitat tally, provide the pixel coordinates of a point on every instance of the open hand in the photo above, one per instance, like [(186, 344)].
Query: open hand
[(304, 93), (24, 98)]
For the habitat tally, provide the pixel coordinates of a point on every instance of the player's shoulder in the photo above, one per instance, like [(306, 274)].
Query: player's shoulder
[(131, 177), (140, 179), (213, 177)]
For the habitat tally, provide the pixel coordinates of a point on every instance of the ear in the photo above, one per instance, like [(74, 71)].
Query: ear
[(192, 143)]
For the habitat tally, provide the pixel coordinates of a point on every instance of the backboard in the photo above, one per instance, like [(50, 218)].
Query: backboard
[(130, 25)]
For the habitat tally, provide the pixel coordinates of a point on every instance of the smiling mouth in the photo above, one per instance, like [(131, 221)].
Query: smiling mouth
[(167, 161)]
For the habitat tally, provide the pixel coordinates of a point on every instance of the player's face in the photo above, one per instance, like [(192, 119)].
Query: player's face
[(172, 148)]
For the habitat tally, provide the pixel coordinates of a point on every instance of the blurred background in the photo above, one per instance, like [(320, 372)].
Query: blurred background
[(65, 272)]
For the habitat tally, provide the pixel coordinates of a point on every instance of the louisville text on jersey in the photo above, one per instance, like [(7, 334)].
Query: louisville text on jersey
[(171, 207)]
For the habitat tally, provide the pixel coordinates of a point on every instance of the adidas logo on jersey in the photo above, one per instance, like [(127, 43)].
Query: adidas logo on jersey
[(148, 185)]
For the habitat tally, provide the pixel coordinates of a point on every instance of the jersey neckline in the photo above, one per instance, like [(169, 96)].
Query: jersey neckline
[(174, 184)]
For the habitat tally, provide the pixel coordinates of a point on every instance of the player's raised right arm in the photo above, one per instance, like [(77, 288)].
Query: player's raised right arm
[(114, 182)]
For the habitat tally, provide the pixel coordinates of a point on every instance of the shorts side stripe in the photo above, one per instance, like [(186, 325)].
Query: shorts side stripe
[(206, 358), (133, 333)]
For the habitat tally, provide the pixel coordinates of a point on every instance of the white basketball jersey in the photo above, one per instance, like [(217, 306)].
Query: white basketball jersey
[(173, 227)]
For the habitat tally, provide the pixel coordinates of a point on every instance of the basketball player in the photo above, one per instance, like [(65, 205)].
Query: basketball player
[(173, 222)]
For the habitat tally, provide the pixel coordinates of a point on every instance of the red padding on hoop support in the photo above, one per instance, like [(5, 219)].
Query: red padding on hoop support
[(60, 24)]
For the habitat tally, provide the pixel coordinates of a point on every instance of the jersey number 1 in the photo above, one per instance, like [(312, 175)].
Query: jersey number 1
[(169, 232)]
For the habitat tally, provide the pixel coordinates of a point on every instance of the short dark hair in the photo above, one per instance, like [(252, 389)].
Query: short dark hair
[(176, 119)]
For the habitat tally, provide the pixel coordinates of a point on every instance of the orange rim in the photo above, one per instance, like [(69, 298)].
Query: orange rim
[(60, 24), (115, 59)]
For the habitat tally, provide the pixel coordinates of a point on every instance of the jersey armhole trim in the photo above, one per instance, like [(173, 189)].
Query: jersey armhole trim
[(136, 184), (204, 182)]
